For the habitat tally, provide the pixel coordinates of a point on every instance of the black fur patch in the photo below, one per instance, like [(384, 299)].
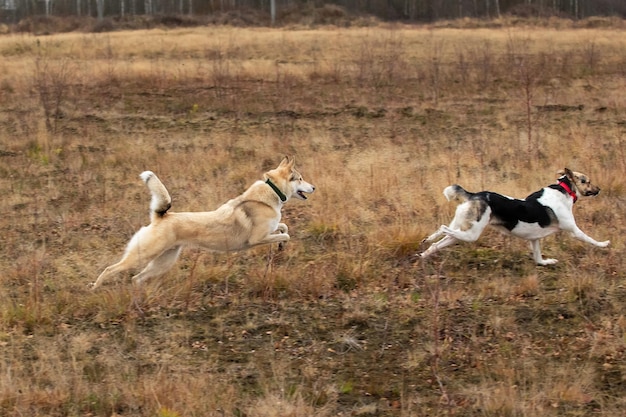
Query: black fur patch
[(161, 213), (558, 187), (508, 212)]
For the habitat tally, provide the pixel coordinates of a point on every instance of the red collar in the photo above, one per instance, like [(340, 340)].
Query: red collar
[(568, 190)]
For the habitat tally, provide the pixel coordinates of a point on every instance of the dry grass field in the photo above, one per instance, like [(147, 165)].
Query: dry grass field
[(346, 321)]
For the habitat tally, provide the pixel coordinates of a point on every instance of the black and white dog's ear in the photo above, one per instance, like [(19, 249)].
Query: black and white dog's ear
[(567, 172)]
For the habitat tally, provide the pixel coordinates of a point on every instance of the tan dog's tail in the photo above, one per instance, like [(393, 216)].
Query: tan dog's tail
[(161, 200), (456, 192)]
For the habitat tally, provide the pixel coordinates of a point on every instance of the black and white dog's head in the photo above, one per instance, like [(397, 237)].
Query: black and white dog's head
[(580, 183)]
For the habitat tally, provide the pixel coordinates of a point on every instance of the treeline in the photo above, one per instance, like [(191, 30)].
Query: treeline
[(408, 10)]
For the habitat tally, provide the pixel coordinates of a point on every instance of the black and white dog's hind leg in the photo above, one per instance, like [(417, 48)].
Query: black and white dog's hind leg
[(463, 227), (440, 244)]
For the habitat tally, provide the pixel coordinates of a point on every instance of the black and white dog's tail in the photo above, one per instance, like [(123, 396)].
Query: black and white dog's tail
[(161, 200), (456, 192)]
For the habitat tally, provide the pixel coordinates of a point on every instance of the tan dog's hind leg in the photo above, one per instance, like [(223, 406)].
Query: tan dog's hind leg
[(110, 271), (142, 248), (159, 265)]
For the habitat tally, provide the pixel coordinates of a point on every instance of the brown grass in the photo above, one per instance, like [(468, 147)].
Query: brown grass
[(345, 320)]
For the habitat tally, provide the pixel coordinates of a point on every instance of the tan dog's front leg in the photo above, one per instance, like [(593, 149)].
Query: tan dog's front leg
[(280, 238), (283, 229), (260, 237)]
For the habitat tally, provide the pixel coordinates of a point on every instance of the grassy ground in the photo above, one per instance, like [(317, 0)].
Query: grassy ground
[(346, 320)]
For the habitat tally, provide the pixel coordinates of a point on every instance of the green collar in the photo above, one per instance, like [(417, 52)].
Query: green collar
[(280, 194)]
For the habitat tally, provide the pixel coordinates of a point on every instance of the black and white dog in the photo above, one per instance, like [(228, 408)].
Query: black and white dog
[(541, 214)]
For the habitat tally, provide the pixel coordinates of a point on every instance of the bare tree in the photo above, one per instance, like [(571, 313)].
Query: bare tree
[(100, 9), (430, 10), (574, 7)]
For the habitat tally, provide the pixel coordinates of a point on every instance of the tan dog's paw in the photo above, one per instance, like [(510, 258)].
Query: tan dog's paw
[(281, 245)]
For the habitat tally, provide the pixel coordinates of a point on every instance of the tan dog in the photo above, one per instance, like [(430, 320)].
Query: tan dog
[(243, 222), (541, 214)]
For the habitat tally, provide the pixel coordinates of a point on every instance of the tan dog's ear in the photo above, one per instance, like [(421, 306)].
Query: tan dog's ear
[(284, 162)]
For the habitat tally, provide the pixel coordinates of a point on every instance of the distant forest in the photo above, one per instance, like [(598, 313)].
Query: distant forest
[(12, 11)]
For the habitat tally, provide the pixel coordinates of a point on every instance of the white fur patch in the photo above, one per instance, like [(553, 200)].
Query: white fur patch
[(146, 175)]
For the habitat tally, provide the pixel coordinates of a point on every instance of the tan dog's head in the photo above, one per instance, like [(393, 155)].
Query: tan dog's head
[(580, 183), (289, 180)]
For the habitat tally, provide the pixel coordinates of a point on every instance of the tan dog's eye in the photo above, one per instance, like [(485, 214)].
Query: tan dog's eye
[(583, 181)]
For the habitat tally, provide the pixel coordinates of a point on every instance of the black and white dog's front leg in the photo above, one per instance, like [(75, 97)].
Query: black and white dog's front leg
[(536, 248), (569, 225), (580, 235), (574, 230)]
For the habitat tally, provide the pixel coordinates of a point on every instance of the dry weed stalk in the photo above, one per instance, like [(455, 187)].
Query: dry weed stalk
[(528, 73), (437, 330), (52, 80)]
